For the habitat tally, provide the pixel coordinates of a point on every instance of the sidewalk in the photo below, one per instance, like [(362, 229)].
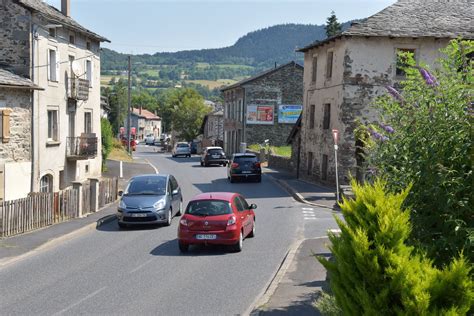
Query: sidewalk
[(15, 247), (301, 277)]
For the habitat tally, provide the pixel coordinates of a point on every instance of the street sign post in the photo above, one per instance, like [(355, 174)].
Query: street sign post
[(335, 135)]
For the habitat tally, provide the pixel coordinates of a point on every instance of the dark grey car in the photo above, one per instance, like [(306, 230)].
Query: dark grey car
[(150, 199)]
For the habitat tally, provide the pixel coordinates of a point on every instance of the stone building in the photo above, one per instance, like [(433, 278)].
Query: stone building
[(343, 74), (59, 55), (263, 107), (15, 135), (212, 129)]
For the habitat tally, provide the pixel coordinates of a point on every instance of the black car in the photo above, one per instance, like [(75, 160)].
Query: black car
[(213, 156), (244, 166)]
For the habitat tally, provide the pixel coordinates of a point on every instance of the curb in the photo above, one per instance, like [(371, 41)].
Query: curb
[(52, 242), (269, 290), (298, 196)]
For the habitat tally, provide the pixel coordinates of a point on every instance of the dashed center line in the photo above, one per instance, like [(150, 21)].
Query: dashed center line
[(80, 301)]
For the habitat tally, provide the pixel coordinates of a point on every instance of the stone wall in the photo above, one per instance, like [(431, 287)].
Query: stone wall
[(15, 38), (281, 163), (18, 147), (284, 86)]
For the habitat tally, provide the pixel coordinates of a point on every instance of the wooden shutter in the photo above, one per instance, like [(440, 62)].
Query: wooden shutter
[(58, 64), (48, 56)]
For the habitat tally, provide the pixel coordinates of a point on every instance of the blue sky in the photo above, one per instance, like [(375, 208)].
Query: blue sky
[(149, 26)]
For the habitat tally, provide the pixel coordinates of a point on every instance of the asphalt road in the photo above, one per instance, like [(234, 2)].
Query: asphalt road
[(141, 271)]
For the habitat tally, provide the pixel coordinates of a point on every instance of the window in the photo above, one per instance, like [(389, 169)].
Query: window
[(314, 70), (46, 183), (311, 115), (88, 122), (88, 45), (310, 162), (244, 203), (53, 65), (174, 183), (89, 72), (52, 32), (324, 168), (327, 116), (4, 123), (329, 65), (72, 39), (401, 61), (53, 125), (238, 204)]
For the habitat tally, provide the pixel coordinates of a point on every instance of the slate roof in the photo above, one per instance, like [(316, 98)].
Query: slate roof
[(260, 75), (55, 15), (146, 114), (415, 18), (8, 79)]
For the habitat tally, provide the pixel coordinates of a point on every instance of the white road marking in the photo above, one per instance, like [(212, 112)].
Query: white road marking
[(81, 300), (308, 212), (306, 218), (307, 209), (142, 265), (156, 169), (335, 231)]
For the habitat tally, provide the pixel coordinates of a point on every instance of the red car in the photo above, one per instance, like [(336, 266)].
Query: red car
[(216, 218)]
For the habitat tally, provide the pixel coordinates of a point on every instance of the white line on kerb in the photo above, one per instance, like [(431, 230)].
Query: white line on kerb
[(80, 301)]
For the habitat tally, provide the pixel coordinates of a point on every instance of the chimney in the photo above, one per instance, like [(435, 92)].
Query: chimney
[(140, 110), (66, 7)]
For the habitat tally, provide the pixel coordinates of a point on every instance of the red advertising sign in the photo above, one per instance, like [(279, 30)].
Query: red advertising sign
[(133, 130), (335, 135)]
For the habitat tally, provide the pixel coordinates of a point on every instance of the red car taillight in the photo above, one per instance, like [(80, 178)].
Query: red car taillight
[(184, 222), (257, 164), (234, 165), (231, 221)]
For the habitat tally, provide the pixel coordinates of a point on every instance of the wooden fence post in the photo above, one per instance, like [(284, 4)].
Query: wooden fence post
[(94, 194), (78, 186)]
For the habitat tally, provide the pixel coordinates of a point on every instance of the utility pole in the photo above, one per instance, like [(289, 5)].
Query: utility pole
[(129, 118)]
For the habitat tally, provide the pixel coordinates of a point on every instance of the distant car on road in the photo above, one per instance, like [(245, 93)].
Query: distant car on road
[(181, 149), (213, 156), (150, 199), (150, 139), (216, 218), (244, 166)]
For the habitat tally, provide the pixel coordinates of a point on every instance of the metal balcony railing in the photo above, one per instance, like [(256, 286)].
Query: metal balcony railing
[(83, 147)]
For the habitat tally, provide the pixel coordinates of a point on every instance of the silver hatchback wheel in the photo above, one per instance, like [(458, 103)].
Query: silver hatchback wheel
[(170, 217)]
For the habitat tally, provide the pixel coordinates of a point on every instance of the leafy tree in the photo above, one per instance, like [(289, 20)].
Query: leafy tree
[(333, 27), (375, 272), (118, 102), (184, 110), (107, 139), (145, 99), (426, 139)]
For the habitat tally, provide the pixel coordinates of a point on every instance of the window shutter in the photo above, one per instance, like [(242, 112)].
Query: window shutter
[(48, 55), (58, 63), (5, 116), (92, 73)]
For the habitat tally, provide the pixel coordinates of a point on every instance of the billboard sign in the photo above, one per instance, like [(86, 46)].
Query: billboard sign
[(289, 113), (260, 114)]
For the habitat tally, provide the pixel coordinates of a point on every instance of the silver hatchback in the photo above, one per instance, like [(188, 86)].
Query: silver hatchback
[(181, 149), (150, 199)]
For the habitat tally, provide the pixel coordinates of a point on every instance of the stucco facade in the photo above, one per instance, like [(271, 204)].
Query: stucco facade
[(363, 63), (269, 90), (60, 119)]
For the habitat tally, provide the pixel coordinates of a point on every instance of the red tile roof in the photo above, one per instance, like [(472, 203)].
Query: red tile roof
[(146, 114)]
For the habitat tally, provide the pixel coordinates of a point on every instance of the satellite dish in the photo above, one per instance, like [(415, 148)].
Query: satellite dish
[(76, 68)]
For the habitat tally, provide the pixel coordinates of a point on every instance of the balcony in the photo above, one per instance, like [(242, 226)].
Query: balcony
[(78, 89), (81, 148)]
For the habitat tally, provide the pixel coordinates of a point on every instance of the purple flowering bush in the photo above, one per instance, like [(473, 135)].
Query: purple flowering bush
[(426, 140)]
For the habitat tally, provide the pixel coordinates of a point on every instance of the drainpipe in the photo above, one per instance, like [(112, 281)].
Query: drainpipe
[(33, 147)]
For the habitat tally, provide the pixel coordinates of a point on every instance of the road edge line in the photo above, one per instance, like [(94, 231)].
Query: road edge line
[(156, 169)]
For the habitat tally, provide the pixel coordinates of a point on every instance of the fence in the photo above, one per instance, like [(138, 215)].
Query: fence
[(107, 191), (43, 209)]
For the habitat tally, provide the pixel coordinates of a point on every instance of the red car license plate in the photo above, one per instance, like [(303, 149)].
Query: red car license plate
[(206, 236)]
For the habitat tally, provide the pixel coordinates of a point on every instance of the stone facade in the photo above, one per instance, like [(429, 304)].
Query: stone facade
[(213, 129), (340, 97), (15, 24), (275, 87)]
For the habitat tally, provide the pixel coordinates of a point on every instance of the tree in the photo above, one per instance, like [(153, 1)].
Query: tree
[(118, 102), (184, 110), (333, 27), (107, 139), (426, 139), (375, 271)]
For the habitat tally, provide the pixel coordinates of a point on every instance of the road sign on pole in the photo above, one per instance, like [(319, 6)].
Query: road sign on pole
[(335, 135)]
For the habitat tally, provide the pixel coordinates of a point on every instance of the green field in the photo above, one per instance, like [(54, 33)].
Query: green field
[(213, 84)]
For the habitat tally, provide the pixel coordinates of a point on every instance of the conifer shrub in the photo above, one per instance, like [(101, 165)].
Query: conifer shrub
[(375, 271)]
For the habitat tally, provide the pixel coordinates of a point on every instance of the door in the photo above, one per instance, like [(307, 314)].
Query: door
[(243, 214), (248, 214), (176, 198), (72, 118)]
